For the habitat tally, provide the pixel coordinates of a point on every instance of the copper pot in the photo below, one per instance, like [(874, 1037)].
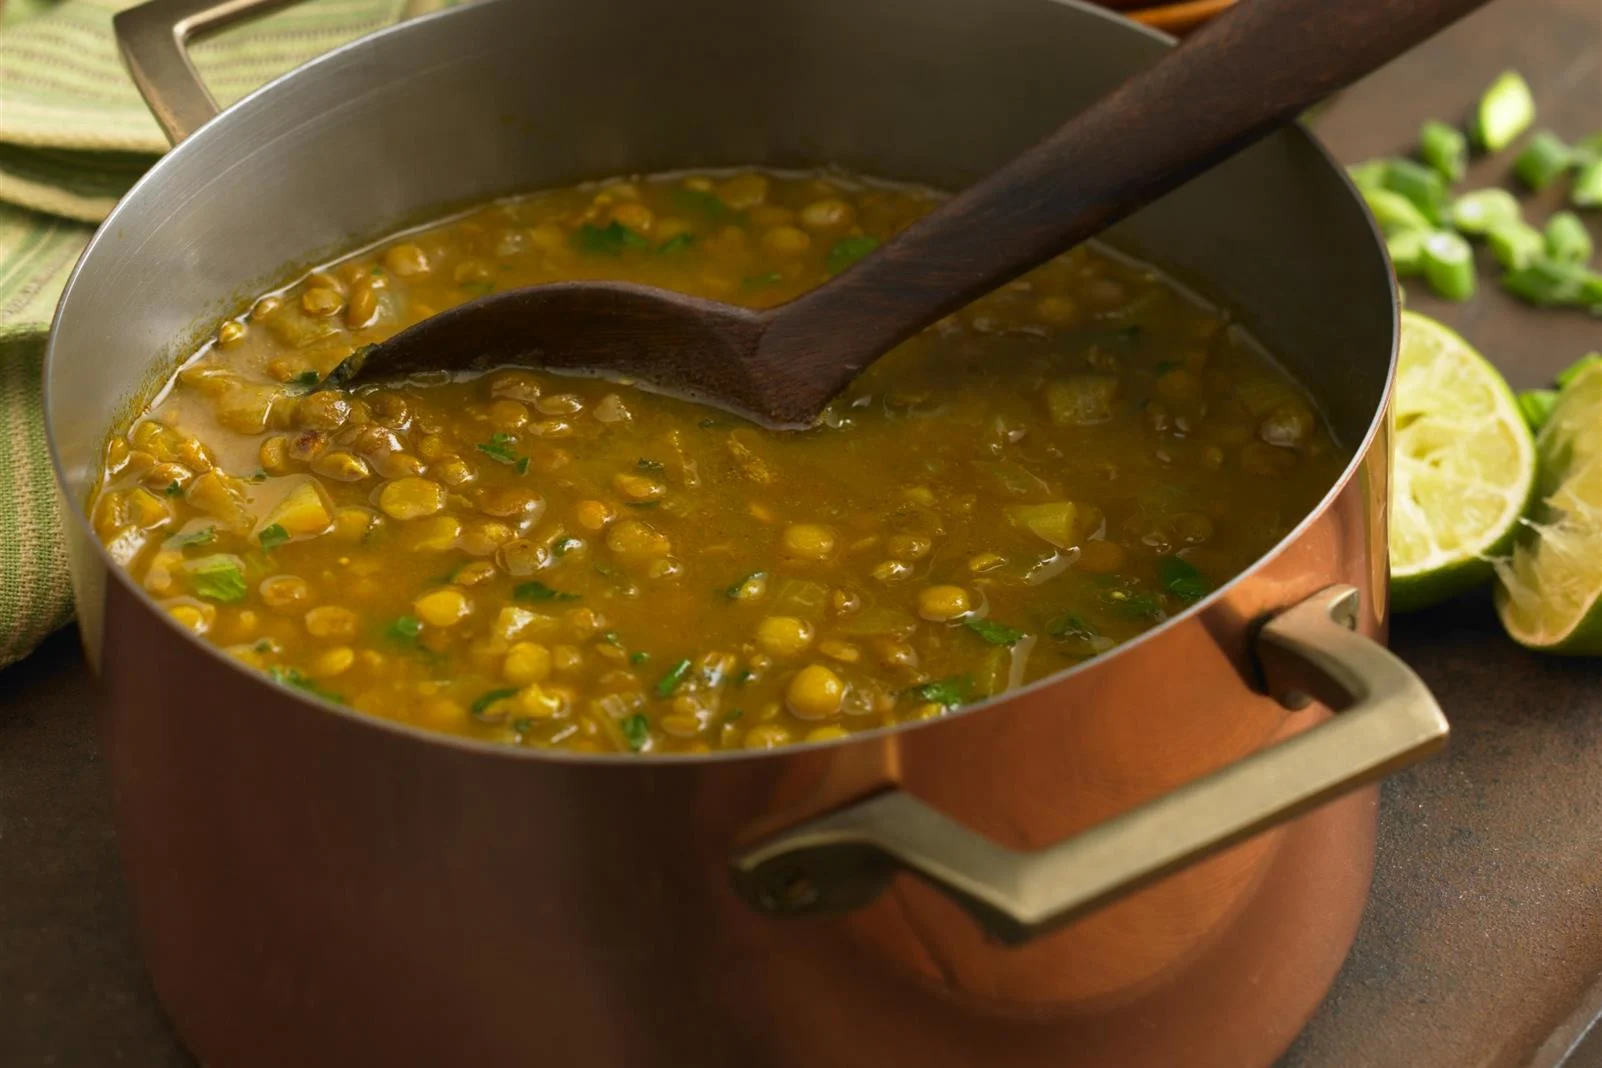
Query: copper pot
[(1121, 865)]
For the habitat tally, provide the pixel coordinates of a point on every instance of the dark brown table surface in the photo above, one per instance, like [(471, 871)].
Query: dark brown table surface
[(1483, 943)]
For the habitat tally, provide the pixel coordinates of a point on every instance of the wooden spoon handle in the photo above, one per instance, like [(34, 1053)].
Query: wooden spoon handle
[(1229, 85)]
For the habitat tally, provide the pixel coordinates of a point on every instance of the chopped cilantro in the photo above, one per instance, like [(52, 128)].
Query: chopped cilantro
[(522, 465), (500, 448), (745, 676), (538, 591), (848, 250), (670, 682), (307, 381), (272, 537), (650, 465), (733, 714), (609, 240), (676, 242), (640, 657), (204, 536), (636, 731), (1164, 366), (292, 677), (263, 646), (1071, 626), (1180, 578), (757, 281), (484, 701), (610, 637), (404, 628), (1134, 605), (259, 476), (702, 202), (950, 692), (174, 490), (218, 578), (563, 546), (993, 632), (522, 725)]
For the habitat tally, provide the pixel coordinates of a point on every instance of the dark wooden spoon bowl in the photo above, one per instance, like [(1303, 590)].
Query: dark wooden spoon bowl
[(1223, 89)]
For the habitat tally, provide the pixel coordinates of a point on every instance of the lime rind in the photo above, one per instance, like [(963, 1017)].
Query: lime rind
[(1463, 467), (1549, 586)]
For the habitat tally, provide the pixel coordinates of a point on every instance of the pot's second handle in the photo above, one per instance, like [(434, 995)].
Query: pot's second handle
[(1386, 719), (154, 39)]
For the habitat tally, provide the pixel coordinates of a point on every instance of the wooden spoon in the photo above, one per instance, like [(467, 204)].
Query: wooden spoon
[(1223, 89)]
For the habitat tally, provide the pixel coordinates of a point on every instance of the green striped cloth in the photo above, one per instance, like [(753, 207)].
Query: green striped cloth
[(74, 135)]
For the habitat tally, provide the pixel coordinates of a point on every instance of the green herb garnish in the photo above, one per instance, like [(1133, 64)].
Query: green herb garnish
[(993, 632), (292, 677), (1134, 605), (200, 537), (733, 714), (174, 490), (610, 637), (636, 731), (501, 448), (538, 591), (950, 692), (307, 381), (1073, 627), (272, 537), (675, 243), (218, 578), (563, 546), (1180, 578), (745, 676), (482, 705), (670, 682), (757, 281), (404, 629), (650, 465), (703, 203), (848, 250), (609, 240), (639, 657), (263, 646)]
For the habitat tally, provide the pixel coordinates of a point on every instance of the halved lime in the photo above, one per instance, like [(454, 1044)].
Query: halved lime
[(1547, 594), (1464, 467)]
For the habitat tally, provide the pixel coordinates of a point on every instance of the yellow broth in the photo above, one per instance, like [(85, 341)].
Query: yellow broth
[(570, 562)]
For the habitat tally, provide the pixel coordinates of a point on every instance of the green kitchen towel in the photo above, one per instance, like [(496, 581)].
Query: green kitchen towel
[(74, 135)]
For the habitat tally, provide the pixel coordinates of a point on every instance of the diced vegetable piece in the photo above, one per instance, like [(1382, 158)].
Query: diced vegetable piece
[(1505, 111), (1567, 238), (1423, 188), (304, 512), (1543, 160), (1587, 189), (1536, 406), (1393, 211), (222, 497), (1053, 521), (1082, 399), (1548, 282), (1515, 244), (219, 577), (1449, 265), (878, 620), (1483, 210), (1444, 148), (1012, 479), (1407, 251)]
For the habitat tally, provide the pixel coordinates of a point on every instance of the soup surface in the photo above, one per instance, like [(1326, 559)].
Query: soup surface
[(570, 562)]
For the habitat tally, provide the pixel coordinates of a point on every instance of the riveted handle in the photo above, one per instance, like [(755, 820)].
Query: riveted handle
[(1386, 719)]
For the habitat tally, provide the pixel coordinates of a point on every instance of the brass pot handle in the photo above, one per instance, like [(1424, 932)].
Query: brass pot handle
[(154, 40), (1387, 719)]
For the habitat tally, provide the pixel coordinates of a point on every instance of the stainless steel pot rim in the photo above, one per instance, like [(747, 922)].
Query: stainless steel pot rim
[(262, 97)]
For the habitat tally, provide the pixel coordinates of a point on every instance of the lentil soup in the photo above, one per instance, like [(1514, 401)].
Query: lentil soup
[(570, 562)]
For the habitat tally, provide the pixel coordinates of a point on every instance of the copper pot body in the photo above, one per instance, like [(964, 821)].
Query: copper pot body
[(315, 888)]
